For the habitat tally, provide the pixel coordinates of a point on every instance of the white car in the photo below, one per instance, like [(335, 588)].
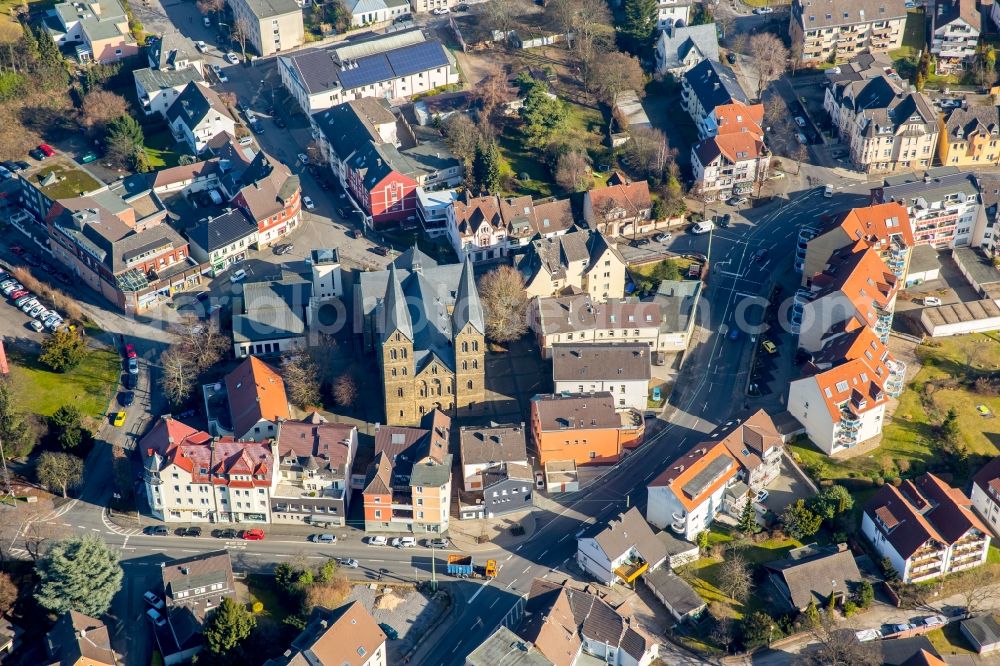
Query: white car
[(407, 542), (377, 541), (155, 617), (201, 46), (801, 138), (220, 74), (237, 275), (308, 203), (763, 10), (36, 326), (800, 121), (441, 11), (232, 58), (703, 227), (348, 562), (932, 300), (303, 158), (762, 496), (153, 600)]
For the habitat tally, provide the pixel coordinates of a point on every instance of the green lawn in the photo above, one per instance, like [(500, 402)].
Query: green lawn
[(262, 590), (949, 640), (7, 6), (914, 36), (161, 150), (910, 434), (89, 386)]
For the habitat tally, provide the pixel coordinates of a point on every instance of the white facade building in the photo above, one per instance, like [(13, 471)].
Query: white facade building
[(272, 25), (618, 368), (620, 551), (986, 494)]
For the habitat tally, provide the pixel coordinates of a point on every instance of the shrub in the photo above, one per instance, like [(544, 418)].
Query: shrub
[(879, 482), (257, 607), (850, 608)]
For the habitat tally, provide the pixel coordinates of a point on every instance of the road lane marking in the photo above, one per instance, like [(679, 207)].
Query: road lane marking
[(494, 602), (510, 583), (563, 537), (526, 569), (543, 553), (509, 556), (481, 587)]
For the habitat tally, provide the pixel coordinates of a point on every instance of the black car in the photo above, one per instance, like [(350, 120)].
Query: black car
[(760, 255), (225, 534), (724, 220), (284, 248), (22, 165), (188, 531), (156, 530), (36, 154), (731, 58), (11, 166), (129, 381), (126, 399)]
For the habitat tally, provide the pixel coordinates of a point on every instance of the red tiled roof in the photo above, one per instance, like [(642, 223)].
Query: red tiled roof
[(256, 392), (688, 466), (632, 197)]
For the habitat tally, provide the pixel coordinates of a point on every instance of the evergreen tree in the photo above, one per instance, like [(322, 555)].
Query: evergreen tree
[(799, 521), (756, 628), (639, 24), (748, 519), (14, 432), (66, 427), (811, 614), (227, 628), (63, 350), (543, 116), (486, 167), (79, 573)]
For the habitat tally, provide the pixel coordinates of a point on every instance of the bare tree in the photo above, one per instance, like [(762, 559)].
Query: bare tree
[(614, 73), (8, 594), (978, 587), (203, 343), (301, 377), (839, 647), (211, 6), (101, 107), (591, 17), (177, 380), (345, 390), (573, 172), (770, 58), (648, 152), (493, 92), (461, 136), (59, 470), (500, 15), (240, 32), (734, 577), (506, 304)]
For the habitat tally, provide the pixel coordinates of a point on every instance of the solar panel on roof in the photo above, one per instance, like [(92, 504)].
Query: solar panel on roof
[(417, 58), (366, 71)]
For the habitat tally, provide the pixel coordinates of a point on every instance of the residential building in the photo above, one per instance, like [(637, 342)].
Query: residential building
[(222, 240), (811, 574), (621, 551), (344, 635), (271, 316), (570, 625), (269, 193), (884, 227), (912, 651), (733, 117), (968, 137), (681, 48), (503, 646), (491, 227), (257, 402), (708, 85), (314, 471), (327, 280), (272, 25), (483, 448), (192, 588), (192, 477), (439, 364), (986, 494), (174, 62), (715, 476), (374, 12), (393, 66), (618, 210), (97, 29), (729, 165), (408, 485), (822, 30), (944, 205), (58, 177), (982, 632), (432, 210), (842, 396), (583, 428), (79, 640), (197, 116), (663, 325), (955, 26), (621, 369), (506, 490), (926, 528), (581, 260), (379, 162), (673, 14), (423, 6)]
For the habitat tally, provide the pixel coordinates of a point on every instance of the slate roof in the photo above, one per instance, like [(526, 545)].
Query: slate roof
[(982, 120), (153, 80), (815, 576), (578, 411), (493, 444), (988, 479), (901, 651), (322, 446), (217, 232), (266, 185), (269, 8), (701, 38), (468, 309), (194, 104), (76, 638), (602, 361), (402, 450), (948, 11), (187, 614), (678, 300), (170, 48), (630, 530), (505, 648), (984, 629), (713, 84)]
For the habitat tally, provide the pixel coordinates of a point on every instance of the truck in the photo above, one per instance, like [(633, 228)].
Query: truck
[(460, 565)]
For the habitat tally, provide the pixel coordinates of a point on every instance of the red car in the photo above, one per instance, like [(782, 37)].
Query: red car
[(18, 294), (47, 149), (130, 350), (252, 535)]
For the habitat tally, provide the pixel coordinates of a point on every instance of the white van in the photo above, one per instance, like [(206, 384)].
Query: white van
[(828, 191), (407, 542)]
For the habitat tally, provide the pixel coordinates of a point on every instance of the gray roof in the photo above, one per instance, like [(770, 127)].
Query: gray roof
[(714, 84), (554, 254), (222, 230), (269, 8), (493, 444), (152, 80), (948, 11), (272, 310), (468, 309), (962, 122), (431, 473), (576, 411), (505, 648), (674, 590), (678, 300), (606, 361), (194, 104), (976, 265), (813, 573), (814, 14), (171, 48), (630, 531), (397, 315), (924, 258), (701, 38), (934, 186), (984, 629), (674, 544)]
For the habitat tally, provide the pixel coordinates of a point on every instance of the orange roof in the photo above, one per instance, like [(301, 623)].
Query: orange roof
[(855, 381), (738, 117), (877, 223), (256, 392), (632, 197), (739, 147), (859, 273), (697, 459)]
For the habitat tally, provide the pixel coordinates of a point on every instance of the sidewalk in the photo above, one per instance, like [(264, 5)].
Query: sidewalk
[(479, 536)]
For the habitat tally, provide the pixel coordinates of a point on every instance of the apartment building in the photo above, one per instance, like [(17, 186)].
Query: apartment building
[(620, 551), (192, 477), (944, 206), (408, 485), (584, 428), (621, 369), (986, 494), (580, 320), (332, 637), (829, 30), (729, 165), (424, 6), (97, 29), (673, 14), (842, 396), (393, 66), (79, 639), (955, 27), (482, 449), (715, 476), (868, 78), (885, 228), (490, 227), (255, 395), (707, 86), (222, 240), (174, 62), (969, 137), (582, 260), (272, 26), (621, 210), (888, 130), (269, 193), (314, 471), (680, 48), (926, 528), (197, 116)]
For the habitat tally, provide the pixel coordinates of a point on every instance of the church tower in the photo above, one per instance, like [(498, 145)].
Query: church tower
[(397, 355), (469, 330)]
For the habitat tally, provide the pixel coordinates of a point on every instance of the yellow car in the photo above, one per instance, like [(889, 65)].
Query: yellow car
[(768, 346), (119, 419)]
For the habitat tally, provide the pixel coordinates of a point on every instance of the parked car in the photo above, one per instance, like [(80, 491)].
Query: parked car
[(760, 255), (407, 542), (207, 22), (801, 138), (36, 326), (237, 275), (126, 398), (36, 154), (800, 121), (129, 381), (731, 58), (762, 496), (348, 562), (256, 126), (438, 543), (308, 203), (932, 300), (703, 227), (20, 293), (88, 157), (323, 538), (828, 191), (390, 633), (254, 534), (220, 74), (303, 158), (377, 541), (769, 346), (440, 11), (201, 46), (381, 250), (156, 530), (47, 149), (133, 366), (225, 534), (130, 351), (153, 600), (737, 201), (232, 58), (11, 166), (155, 618), (279, 122), (760, 11), (188, 531), (284, 248), (723, 220)]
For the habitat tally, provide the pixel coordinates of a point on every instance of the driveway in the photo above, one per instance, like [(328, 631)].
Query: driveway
[(786, 489)]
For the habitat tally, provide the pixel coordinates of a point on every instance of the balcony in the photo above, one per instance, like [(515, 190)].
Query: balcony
[(629, 571), (679, 522), (924, 575)]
